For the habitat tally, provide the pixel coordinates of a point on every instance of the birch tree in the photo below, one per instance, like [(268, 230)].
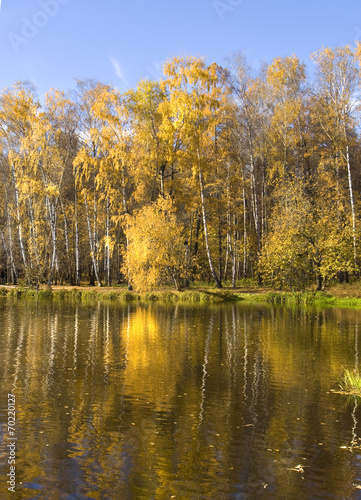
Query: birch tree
[(337, 88), (194, 114)]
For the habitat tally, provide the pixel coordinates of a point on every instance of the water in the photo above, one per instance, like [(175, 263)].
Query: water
[(159, 402)]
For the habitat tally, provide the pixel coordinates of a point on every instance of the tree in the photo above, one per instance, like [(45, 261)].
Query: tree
[(249, 130), (114, 175), (18, 110), (337, 84), (155, 252), (87, 162), (304, 238), (257, 173), (194, 116), (152, 165), (285, 79), (61, 115)]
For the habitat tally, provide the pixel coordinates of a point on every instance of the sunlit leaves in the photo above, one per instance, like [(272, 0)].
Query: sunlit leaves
[(155, 252)]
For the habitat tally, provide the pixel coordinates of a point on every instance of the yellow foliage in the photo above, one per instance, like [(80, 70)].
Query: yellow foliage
[(155, 251)]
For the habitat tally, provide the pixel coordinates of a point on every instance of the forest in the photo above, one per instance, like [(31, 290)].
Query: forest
[(211, 174)]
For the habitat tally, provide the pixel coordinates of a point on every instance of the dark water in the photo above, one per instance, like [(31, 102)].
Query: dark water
[(160, 402)]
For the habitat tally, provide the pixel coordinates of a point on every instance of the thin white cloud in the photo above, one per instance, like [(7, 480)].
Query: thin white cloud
[(117, 69)]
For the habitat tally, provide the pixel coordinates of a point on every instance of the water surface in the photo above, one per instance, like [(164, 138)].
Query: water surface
[(179, 401)]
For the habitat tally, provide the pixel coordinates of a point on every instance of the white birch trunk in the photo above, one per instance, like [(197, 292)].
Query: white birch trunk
[(17, 205), (352, 206), (205, 228), (91, 242), (77, 259)]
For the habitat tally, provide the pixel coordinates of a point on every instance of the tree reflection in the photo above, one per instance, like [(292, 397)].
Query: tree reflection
[(151, 401)]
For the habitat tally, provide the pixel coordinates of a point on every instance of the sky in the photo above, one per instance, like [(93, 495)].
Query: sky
[(53, 42)]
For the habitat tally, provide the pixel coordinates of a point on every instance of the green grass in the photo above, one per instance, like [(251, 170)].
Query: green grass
[(350, 382), (205, 295), (302, 298)]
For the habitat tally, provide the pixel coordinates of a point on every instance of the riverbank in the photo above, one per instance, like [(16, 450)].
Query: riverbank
[(338, 295), (208, 295)]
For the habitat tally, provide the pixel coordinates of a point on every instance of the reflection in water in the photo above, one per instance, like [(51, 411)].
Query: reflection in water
[(152, 401)]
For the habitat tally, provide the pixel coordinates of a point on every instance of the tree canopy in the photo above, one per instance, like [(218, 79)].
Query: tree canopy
[(210, 173)]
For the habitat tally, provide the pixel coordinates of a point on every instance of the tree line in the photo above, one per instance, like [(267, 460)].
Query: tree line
[(211, 173)]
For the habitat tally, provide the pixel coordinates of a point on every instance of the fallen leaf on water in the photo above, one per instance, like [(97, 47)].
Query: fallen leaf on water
[(298, 468)]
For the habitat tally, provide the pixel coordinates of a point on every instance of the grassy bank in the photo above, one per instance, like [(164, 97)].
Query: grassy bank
[(337, 296), (122, 295), (308, 297)]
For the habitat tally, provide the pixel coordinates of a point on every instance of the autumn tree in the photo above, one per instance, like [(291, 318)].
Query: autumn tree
[(155, 252), (308, 239), (247, 174), (285, 78), (152, 162), (115, 171), (194, 115), (61, 115), (249, 128), (18, 110), (87, 163), (336, 94)]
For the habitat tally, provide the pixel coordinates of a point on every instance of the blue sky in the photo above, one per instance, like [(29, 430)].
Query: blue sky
[(51, 42)]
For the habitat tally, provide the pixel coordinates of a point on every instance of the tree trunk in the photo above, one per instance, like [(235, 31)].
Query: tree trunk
[(52, 219), (17, 205), (107, 246), (33, 235), (220, 271), (319, 280), (228, 252), (234, 254), (352, 205), (95, 236), (6, 250), (66, 236), (124, 198), (14, 274), (91, 242), (244, 233), (205, 228), (77, 260), (255, 201)]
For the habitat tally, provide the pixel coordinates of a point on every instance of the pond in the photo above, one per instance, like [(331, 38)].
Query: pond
[(151, 401)]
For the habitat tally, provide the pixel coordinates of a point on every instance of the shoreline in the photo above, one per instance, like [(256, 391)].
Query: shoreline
[(336, 297)]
